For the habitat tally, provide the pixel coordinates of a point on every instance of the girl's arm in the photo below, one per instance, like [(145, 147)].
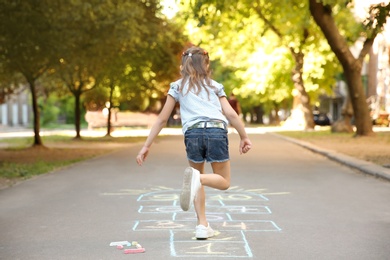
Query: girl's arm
[(235, 121), (156, 128)]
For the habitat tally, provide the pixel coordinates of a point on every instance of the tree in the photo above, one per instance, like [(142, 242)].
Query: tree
[(143, 62), (92, 32), (79, 42), (28, 45), (290, 22), (323, 16), (295, 38), (120, 46)]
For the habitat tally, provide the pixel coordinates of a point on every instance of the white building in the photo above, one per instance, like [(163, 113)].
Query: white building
[(16, 110)]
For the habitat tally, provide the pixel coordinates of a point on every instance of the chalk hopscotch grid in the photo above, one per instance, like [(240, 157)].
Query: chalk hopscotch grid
[(231, 248), (220, 213), (233, 225), (228, 196), (247, 209)]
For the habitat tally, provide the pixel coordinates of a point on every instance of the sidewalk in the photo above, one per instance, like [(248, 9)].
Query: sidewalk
[(363, 166)]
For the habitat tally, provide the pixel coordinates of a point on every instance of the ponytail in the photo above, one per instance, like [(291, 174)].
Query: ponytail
[(195, 70)]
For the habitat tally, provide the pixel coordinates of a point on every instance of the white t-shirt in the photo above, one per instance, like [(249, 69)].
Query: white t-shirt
[(197, 108)]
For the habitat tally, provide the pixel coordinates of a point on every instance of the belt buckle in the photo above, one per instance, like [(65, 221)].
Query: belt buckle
[(208, 124), (215, 124), (198, 125)]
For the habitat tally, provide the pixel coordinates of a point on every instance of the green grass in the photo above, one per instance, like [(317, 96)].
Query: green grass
[(24, 142), (50, 159), (25, 171), (62, 126), (315, 134), (328, 135), (17, 142)]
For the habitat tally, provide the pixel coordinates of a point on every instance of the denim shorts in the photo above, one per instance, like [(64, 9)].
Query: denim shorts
[(210, 144)]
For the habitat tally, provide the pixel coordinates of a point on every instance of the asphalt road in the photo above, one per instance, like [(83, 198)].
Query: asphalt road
[(285, 202)]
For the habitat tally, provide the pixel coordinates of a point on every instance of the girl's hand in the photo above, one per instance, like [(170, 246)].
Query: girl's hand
[(141, 157), (245, 145)]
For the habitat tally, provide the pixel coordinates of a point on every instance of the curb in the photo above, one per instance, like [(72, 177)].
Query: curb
[(361, 165)]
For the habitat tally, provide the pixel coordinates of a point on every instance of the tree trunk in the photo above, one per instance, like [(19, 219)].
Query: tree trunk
[(259, 112), (304, 113), (77, 114), (302, 94), (36, 123), (352, 66), (109, 128), (361, 112), (343, 125)]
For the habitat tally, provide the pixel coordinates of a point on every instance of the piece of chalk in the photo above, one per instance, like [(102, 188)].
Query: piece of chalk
[(119, 246), (123, 243), (134, 250)]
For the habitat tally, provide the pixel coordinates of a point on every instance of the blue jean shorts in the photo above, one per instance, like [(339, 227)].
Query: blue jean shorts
[(210, 144)]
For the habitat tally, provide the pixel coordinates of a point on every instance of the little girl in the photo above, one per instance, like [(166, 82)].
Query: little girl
[(205, 113)]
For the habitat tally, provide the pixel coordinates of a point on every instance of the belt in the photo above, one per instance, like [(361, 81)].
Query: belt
[(208, 124)]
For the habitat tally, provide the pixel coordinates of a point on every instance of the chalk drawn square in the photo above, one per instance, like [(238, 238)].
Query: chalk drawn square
[(156, 225), (241, 209), (227, 245), (211, 216), (189, 235), (222, 226), (247, 203), (250, 225), (236, 196), (160, 209), (160, 196)]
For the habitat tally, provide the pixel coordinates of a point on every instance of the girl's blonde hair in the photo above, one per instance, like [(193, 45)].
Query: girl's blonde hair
[(195, 69)]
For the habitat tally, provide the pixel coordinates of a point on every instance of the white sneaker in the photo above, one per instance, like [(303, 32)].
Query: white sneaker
[(191, 185), (203, 232)]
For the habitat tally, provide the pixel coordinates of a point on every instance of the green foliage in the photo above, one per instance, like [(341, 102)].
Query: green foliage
[(56, 110), (378, 16), (87, 44), (227, 75), (125, 55), (255, 40), (352, 26), (95, 99), (28, 42), (49, 110), (67, 110), (67, 105)]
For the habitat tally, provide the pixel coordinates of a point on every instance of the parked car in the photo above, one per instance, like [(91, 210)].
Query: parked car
[(321, 118)]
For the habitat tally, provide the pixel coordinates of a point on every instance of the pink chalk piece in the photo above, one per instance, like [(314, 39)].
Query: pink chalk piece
[(134, 250), (119, 246)]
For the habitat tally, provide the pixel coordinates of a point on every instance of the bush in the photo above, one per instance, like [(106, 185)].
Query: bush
[(49, 110)]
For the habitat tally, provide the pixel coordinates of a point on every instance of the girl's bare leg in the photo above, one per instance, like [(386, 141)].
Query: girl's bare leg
[(219, 180), (200, 199)]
